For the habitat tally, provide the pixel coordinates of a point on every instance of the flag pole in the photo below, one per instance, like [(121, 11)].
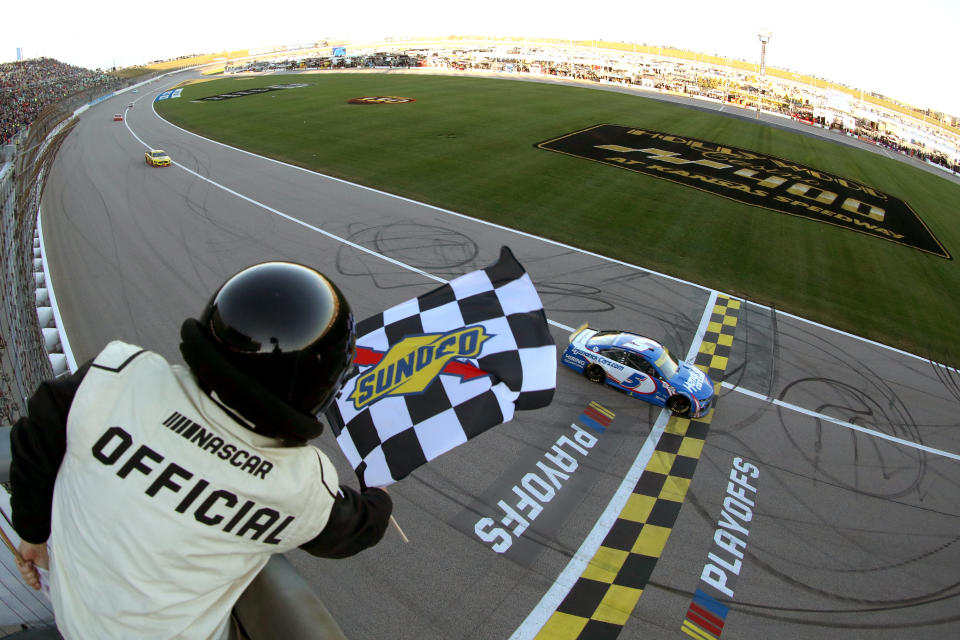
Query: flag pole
[(13, 549), (393, 521), (361, 468)]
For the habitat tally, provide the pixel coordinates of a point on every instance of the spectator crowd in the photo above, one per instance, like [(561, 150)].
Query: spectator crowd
[(28, 86)]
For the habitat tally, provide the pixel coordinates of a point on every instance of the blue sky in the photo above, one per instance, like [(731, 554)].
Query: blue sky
[(904, 50)]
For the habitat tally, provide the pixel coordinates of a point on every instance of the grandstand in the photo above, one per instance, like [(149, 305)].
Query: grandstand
[(927, 136), (29, 86), (934, 137)]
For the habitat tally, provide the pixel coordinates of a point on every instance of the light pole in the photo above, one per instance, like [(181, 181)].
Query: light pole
[(764, 35)]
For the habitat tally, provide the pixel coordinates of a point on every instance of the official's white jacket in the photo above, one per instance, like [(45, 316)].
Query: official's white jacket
[(165, 508)]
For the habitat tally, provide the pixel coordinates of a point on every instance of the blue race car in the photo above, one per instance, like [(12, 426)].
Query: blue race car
[(641, 367)]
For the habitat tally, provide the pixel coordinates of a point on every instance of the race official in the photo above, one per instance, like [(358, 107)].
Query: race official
[(161, 491)]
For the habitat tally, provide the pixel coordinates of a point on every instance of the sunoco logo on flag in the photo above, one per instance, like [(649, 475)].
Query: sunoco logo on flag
[(413, 364)]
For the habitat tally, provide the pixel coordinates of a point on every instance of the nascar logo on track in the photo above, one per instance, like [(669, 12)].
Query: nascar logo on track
[(380, 100), (411, 365)]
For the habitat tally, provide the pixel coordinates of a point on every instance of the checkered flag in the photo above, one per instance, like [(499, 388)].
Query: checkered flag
[(440, 369)]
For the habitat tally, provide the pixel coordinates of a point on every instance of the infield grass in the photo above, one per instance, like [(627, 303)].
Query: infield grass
[(468, 144)]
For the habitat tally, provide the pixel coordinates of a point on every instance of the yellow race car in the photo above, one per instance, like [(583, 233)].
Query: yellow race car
[(157, 158)]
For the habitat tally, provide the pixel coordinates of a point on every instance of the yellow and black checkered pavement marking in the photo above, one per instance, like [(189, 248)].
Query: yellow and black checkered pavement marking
[(603, 597)]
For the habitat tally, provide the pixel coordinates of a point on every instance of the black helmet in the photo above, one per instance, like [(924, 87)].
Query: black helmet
[(285, 326)]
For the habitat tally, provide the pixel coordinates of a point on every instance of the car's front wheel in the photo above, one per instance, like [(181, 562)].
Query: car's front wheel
[(679, 405), (595, 373)]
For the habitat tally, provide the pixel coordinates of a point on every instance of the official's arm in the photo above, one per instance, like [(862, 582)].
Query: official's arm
[(357, 521), (38, 442)]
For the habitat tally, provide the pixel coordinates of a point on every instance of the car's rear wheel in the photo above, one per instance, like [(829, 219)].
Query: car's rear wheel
[(679, 405), (595, 373)]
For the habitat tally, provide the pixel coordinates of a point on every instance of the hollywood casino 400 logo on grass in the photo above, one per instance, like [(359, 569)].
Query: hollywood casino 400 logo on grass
[(752, 178)]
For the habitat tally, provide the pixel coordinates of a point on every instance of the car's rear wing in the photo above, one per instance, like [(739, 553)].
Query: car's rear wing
[(576, 332)]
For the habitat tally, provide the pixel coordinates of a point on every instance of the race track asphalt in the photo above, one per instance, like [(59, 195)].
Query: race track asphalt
[(848, 529)]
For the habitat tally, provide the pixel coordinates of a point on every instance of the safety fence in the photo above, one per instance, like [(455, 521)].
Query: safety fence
[(29, 343), (22, 358)]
